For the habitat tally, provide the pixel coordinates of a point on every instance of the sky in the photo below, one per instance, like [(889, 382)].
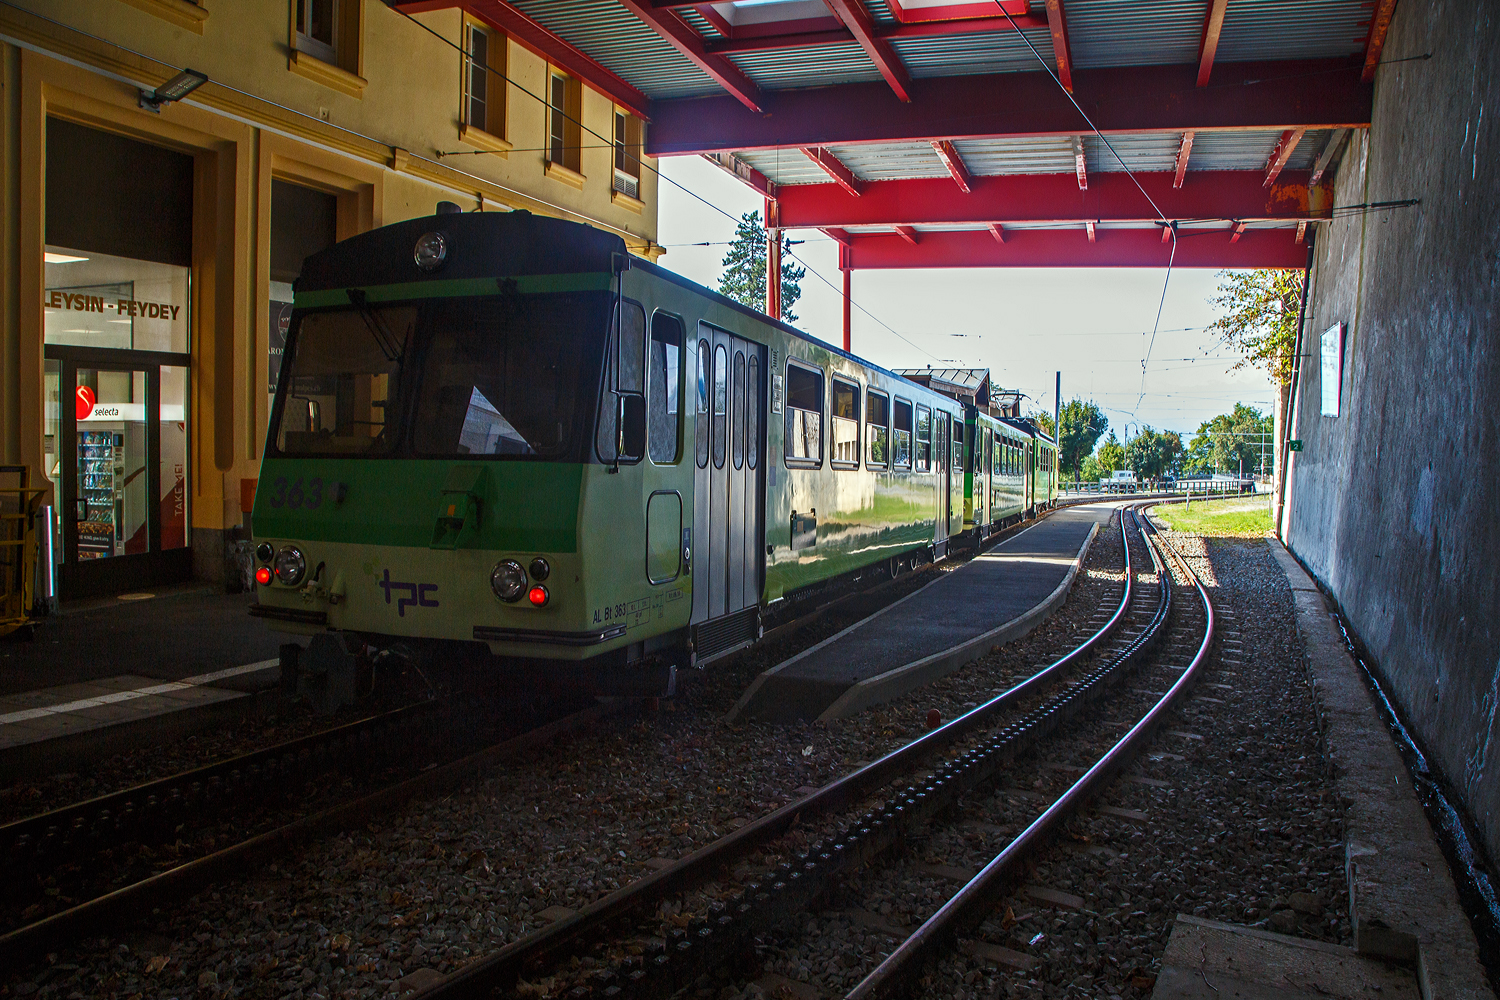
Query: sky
[(1092, 324)]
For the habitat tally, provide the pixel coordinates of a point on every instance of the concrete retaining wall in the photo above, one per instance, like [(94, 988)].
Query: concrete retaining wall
[(1395, 503)]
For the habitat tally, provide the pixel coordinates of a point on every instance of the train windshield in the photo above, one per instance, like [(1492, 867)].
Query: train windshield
[(503, 375)]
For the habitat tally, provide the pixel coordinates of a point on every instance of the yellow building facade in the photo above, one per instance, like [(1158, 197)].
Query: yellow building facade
[(148, 254)]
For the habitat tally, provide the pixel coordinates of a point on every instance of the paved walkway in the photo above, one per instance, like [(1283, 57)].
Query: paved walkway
[(994, 598)]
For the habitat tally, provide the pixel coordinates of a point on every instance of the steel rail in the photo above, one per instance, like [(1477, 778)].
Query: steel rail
[(972, 904), (505, 967), (34, 939), (77, 826)]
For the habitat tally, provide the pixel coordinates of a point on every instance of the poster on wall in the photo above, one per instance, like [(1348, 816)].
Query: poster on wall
[(281, 321), (1333, 368)]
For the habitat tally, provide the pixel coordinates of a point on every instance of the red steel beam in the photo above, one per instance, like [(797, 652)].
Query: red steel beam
[(1213, 25), (1089, 225), (1166, 234), (743, 172), (997, 231), (1301, 231), (1183, 150), (835, 169), (1113, 197), (1121, 99), (858, 21), (1326, 156), (1285, 146), (1063, 248), (908, 234), (1057, 24), (1236, 231), (835, 233), (1380, 23), (502, 16), (687, 41), (1080, 164), (955, 165)]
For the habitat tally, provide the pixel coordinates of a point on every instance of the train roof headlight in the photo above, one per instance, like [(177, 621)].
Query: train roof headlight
[(431, 251), (291, 566), (508, 580)]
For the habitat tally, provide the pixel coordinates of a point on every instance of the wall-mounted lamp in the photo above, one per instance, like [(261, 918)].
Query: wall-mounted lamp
[(175, 89)]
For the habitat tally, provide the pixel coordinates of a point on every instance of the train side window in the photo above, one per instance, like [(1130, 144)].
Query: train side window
[(721, 404), (752, 414), (844, 423), (878, 420), (958, 446), (739, 409), (903, 434), (924, 438), (701, 431), (804, 416), (624, 374), (664, 407)]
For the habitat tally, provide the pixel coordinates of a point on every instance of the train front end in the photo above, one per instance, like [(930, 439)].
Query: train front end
[(430, 440)]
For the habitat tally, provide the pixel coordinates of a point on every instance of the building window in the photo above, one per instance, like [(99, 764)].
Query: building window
[(564, 110), (317, 29), (627, 154), (484, 81)]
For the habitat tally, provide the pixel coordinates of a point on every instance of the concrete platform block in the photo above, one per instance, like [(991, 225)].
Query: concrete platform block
[(1206, 960)]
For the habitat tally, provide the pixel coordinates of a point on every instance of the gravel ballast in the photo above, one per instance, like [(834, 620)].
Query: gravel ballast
[(446, 880)]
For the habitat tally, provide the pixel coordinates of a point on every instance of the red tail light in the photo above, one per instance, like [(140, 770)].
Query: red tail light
[(263, 576), (537, 596)]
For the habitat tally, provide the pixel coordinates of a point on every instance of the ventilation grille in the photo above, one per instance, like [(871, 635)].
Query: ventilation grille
[(723, 633)]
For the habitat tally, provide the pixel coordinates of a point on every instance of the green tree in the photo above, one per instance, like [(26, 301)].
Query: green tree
[(1082, 423), (1260, 318), (1110, 456), (1230, 442), (744, 278), (1152, 454), (1042, 419)]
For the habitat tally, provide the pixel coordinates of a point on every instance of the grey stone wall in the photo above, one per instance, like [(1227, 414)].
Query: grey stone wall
[(1395, 503)]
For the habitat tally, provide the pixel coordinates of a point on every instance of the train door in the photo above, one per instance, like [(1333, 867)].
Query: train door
[(985, 461), (728, 504), (944, 482)]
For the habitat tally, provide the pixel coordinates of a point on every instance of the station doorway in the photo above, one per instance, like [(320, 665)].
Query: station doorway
[(117, 305)]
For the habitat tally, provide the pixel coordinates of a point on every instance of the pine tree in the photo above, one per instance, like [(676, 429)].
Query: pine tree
[(744, 278)]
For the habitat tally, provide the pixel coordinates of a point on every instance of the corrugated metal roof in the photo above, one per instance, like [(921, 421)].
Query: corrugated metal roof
[(1017, 155), (1232, 150), (785, 166), (968, 55), (1293, 29), (812, 66), (620, 42), (1116, 32), (1147, 151), (889, 161)]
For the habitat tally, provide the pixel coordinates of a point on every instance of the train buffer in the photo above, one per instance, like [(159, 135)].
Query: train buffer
[(995, 598)]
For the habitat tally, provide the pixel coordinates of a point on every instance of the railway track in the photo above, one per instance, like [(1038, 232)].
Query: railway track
[(627, 953), (90, 866), (98, 845)]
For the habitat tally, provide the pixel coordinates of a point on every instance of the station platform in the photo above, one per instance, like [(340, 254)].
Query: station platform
[(994, 598), (102, 675)]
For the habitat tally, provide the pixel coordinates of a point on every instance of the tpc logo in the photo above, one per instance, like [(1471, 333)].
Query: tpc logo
[(417, 594)]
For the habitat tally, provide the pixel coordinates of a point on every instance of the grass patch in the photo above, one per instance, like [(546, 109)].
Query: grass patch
[(1241, 516)]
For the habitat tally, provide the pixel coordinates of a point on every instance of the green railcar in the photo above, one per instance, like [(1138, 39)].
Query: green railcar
[(1006, 472), (502, 431)]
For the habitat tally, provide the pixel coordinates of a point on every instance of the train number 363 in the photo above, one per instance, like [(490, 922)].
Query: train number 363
[(294, 495)]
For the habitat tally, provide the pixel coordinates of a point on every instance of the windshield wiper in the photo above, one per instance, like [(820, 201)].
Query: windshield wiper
[(384, 339)]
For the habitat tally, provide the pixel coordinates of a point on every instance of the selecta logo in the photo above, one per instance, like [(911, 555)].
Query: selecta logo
[(84, 404), (416, 594)]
